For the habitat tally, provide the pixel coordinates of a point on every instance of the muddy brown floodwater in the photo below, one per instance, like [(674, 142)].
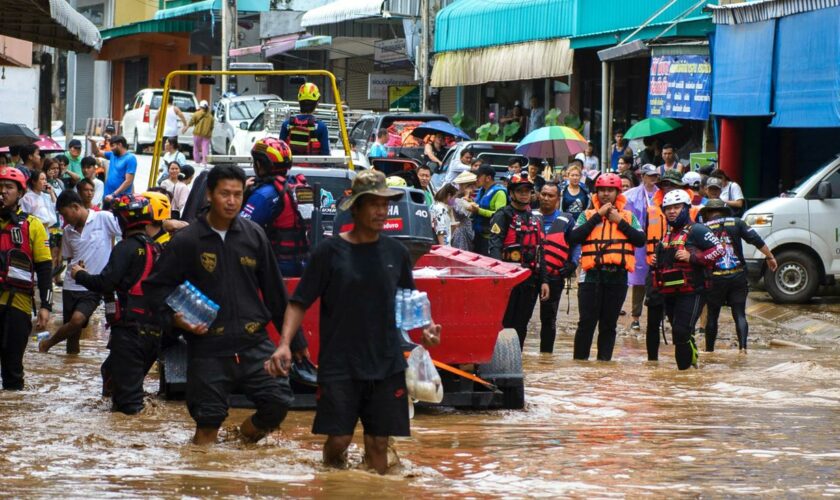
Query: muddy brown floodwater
[(764, 424)]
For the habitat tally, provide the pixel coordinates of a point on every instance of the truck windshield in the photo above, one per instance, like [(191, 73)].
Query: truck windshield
[(821, 173)]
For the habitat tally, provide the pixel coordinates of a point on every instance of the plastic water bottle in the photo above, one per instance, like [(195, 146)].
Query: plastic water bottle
[(425, 309), (398, 309), (42, 336)]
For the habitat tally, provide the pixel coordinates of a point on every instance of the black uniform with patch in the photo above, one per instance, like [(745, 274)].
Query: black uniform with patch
[(239, 274)]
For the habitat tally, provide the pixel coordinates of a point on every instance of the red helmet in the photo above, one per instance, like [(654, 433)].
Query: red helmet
[(609, 180), (15, 175), (273, 151), (132, 211)]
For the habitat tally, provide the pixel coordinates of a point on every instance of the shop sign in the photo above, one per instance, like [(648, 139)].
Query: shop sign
[(404, 97), (390, 53), (378, 84), (680, 87), (700, 160)]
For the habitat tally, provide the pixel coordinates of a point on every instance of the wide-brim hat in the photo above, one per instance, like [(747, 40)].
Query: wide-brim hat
[(465, 177), (370, 182), (715, 206)]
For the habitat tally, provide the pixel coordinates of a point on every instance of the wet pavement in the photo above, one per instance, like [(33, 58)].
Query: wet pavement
[(762, 424)]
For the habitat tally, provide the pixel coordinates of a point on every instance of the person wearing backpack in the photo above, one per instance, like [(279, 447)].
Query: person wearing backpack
[(135, 331), (277, 203), (305, 134)]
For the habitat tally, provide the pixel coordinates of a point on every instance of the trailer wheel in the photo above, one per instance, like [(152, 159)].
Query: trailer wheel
[(505, 370)]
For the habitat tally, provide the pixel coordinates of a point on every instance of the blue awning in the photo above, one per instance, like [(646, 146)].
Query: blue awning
[(474, 24), (807, 90), (195, 8), (743, 69)]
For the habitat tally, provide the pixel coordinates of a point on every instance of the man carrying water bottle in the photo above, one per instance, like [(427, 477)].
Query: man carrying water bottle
[(135, 333), (361, 368), (230, 260)]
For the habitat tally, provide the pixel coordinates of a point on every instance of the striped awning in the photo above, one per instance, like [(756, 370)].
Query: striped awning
[(521, 61), (764, 10), (53, 23)]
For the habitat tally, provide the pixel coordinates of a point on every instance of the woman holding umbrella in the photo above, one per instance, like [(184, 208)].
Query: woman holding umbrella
[(434, 151)]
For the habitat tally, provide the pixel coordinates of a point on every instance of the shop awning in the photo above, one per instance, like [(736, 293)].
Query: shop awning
[(212, 6), (49, 22), (343, 10), (149, 26), (764, 10), (522, 61), (473, 24), (743, 69), (807, 85)]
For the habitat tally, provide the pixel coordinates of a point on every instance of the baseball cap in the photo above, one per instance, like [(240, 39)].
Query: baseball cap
[(649, 169), (370, 182), (713, 182), (692, 179), (203, 104), (74, 143)]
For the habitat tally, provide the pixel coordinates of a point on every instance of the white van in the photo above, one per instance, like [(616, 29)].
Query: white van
[(802, 228)]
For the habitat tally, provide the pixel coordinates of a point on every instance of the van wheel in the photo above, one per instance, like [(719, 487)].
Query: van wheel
[(796, 279), (138, 149), (505, 370)]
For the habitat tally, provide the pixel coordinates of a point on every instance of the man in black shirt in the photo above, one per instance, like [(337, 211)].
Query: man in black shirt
[(230, 260), (135, 333), (361, 368), (729, 276)]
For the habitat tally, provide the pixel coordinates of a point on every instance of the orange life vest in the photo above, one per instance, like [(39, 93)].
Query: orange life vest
[(606, 245), (657, 225)]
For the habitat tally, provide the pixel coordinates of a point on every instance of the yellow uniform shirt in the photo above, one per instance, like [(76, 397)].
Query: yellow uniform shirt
[(40, 244)]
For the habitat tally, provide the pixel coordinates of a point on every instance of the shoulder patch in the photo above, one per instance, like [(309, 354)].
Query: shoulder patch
[(495, 229)]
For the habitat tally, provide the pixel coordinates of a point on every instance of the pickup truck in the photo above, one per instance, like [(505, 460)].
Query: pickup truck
[(399, 127), (802, 228)]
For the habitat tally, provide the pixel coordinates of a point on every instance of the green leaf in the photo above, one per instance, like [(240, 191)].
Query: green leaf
[(553, 117), (509, 131)]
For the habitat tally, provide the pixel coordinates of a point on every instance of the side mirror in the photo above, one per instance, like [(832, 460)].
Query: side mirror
[(824, 190), (243, 125), (128, 107)]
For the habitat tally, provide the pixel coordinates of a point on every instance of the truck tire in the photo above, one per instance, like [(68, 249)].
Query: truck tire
[(796, 279), (505, 370)]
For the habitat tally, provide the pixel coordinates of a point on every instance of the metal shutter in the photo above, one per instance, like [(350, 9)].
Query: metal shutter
[(84, 90), (448, 100)]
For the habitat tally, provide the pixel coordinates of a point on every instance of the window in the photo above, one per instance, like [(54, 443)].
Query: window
[(834, 179), (184, 102), (258, 125)]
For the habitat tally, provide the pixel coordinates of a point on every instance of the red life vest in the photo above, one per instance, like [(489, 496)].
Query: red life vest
[(302, 138), (134, 310), (555, 252), (17, 270), (672, 276), (522, 240), (288, 230)]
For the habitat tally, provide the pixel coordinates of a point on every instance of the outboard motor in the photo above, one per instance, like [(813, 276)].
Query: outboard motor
[(409, 221)]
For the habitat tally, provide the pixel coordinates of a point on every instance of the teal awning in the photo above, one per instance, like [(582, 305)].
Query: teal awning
[(212, 6), (149, 26), (691, 27), (473, 24)]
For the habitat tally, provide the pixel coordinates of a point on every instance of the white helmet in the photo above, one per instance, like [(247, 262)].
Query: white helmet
[(676, 197), (692, 179)]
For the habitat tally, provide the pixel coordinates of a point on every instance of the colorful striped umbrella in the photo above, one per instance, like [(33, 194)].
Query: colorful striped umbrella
[(556, 142), (651, 126)]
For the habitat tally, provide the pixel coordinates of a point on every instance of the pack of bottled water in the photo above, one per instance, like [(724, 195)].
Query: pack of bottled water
[(412, 309), (196, 307)]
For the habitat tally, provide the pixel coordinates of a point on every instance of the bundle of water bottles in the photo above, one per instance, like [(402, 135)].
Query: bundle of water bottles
[(413, 309), (196, 307)]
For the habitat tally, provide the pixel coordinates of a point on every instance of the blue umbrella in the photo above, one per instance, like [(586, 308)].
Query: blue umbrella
[(439, 126)]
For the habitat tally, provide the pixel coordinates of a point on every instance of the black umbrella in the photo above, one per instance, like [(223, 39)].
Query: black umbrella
[(13, 134)]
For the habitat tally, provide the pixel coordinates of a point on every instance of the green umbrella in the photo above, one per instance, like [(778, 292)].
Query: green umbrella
[(651, 126)]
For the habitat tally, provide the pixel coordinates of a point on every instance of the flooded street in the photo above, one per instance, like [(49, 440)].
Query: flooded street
[(763, 424)]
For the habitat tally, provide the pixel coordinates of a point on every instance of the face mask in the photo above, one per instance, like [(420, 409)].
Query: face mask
[(681, 220)]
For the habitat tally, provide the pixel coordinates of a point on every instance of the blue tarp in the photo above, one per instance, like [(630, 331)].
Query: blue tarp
[(807, 70), (743, 69)]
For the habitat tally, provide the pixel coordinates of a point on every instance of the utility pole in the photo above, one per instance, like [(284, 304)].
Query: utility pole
[(423, 57), (229, 36)]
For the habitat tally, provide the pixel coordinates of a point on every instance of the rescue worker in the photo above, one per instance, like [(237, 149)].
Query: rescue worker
[(607, 234), (25, 260), (230, 260), (135, 332), (161, 209), (680, 264), (516, 235), (305, 134), (729, 277), (655, 228), (560, 260), (274, 204), (489, 199)]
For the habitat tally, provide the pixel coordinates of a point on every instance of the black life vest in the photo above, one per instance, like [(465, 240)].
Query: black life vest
[(302, 138), (131, 305), (670, 275), (523, 239), (555, 247), (17, 268), (290, 225)]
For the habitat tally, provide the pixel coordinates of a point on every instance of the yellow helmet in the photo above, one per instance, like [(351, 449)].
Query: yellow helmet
[(394, 181), (161, 206), (309, 92)]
